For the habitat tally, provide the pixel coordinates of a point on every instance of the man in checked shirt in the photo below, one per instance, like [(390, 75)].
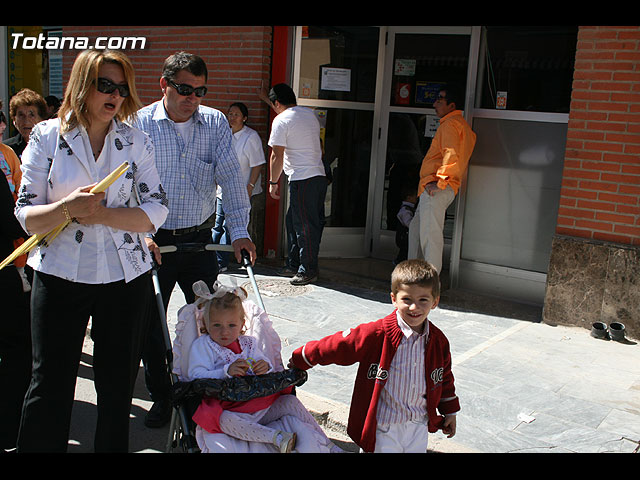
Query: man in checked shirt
[(404, 387), (193, 156)]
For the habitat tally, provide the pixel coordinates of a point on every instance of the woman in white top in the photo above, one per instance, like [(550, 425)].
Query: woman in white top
[(98, 267), (248, 147)]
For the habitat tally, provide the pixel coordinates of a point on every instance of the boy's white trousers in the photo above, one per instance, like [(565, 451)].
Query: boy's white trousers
[(408, 437)]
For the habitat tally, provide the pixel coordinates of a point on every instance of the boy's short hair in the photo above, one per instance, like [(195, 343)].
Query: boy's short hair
[(416, 272)]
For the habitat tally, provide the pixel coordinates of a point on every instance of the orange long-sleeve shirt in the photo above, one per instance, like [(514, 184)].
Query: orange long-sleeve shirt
[(448, 157), (10, 166)]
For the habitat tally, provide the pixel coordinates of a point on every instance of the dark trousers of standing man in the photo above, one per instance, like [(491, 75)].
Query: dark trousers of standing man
[(60, 312), (305, 222), (184, 269)]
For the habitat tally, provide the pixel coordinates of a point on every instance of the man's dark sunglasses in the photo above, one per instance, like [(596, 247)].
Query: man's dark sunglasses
[(186, 90), (105, 85)]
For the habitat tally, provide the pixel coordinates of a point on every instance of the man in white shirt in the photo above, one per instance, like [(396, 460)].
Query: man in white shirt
[(296, 150)]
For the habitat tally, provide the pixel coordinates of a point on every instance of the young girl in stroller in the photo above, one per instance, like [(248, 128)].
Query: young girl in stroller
[(275, 423)]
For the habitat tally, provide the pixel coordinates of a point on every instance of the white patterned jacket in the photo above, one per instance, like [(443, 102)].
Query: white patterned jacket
[(55, 164)]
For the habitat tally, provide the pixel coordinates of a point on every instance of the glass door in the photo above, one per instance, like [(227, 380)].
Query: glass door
[(418, 62), (335, 74)]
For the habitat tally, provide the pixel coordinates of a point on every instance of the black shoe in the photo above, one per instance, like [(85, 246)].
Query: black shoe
[(159, 414), (301, 279), (287, 272)]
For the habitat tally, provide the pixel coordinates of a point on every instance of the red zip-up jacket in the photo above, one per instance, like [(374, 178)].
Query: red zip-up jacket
[(373, 345)]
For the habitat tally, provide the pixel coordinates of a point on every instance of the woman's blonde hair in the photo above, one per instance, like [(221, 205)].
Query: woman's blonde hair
[(84, 76)]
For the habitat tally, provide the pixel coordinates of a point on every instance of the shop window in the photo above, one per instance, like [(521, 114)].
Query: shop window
[(346, 141), (527, 68), (423, 64), (516, 175), (339, 63)]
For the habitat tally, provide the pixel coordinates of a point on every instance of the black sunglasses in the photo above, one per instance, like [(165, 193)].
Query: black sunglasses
[(104, 85), (186, 90)]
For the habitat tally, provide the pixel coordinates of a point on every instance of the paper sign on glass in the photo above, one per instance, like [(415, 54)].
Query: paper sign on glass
[(336, 79)]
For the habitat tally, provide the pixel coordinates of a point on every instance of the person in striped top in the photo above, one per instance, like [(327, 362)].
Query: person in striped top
[(404, 386)]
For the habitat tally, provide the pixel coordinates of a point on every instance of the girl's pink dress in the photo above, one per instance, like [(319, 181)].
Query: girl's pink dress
[(208, 413)]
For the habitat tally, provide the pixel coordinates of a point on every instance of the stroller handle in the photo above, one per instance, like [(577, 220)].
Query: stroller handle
[(246, 258), (201, 247), (195, 247)]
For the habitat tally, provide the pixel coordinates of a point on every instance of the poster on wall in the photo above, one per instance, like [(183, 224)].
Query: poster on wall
[(336, 79), (404, 67), (403, 94), (501, 100), (431, 125), (427, 92), (321, 115)]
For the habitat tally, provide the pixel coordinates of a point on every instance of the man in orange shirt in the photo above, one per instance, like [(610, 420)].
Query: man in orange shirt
[(442, 170)]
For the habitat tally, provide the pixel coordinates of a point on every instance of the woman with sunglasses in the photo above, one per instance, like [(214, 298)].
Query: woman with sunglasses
[(98, 267)]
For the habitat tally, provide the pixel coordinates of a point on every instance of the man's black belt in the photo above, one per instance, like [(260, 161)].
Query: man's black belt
[(208, 223)]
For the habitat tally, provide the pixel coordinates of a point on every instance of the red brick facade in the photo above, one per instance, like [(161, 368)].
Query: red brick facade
[(238, 59), (600, 198), (601, 182)]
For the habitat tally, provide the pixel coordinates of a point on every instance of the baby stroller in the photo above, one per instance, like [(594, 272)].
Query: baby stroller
[(183, 432)]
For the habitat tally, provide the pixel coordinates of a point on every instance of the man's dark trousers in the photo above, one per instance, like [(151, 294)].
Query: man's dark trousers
[(305, 222)]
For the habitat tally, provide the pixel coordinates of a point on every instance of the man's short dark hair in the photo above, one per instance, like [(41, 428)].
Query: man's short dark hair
[(283, 93), (184, 61), (454, 95)]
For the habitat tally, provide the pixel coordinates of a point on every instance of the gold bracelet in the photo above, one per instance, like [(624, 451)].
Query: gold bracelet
[(66, 210)]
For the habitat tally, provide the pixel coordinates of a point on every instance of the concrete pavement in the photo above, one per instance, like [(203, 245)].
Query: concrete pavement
[(524, 386)]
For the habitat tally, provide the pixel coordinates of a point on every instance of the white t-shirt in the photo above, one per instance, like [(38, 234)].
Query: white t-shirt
[(298, 130), (248, 147), (184, 129)]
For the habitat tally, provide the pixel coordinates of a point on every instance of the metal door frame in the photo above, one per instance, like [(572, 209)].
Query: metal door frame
[(383, 241), (372, 241)]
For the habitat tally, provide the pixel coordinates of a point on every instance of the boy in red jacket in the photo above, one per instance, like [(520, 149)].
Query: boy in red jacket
[(404, 377)]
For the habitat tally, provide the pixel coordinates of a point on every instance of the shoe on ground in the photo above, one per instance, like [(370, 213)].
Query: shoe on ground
[(159, 414), (300, 279), (222, 269), (287, 272), (285, 441)]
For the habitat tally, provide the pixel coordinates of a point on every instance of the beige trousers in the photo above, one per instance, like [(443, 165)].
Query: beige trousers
[(426, 239)]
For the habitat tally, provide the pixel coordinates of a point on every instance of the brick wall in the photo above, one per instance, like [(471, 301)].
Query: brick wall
[(238, 59), (600, 197)]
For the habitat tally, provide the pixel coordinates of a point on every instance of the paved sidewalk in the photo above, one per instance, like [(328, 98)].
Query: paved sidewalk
[(524, 386)]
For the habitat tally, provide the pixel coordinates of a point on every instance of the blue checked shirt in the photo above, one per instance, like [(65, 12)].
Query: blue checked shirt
[(190, 169)]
